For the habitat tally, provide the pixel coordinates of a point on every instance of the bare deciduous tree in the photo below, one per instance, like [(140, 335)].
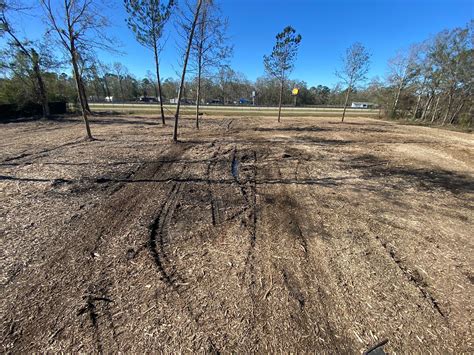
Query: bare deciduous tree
[(209, 45), (443, 84), (451, 56), (80, 27), (103, 70), (354, 69), (28, 50), (190, 29), (147, 19), (121, 72), (282, 59), (149, 76), (402, 70)]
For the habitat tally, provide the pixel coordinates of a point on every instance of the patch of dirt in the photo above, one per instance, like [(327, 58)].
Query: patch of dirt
[(246, 236)]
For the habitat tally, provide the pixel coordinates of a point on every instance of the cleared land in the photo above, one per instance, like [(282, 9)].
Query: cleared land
[(249, 235)]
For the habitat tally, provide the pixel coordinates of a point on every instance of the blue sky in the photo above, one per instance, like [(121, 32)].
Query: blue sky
[(327, 27)]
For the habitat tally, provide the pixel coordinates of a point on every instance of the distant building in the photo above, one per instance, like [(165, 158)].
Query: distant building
[(362, 105)]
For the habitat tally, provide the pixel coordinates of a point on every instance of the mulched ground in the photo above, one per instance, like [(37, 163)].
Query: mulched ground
[(248, 235)]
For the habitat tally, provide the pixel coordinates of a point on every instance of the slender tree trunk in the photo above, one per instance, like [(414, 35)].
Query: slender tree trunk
[(36, 69), (185, 64), (453, 117), (86, 100), (345, 102), (155, 50), (202, 29), (121, 89), (77, 74), (397, 98), (107, 90), (82, 86), (41, 88), (198, 91), (435, 111), (448, 109), (223, 94), (280, 99), (84, 95), (416, 106), (426, 108), (79, 91)]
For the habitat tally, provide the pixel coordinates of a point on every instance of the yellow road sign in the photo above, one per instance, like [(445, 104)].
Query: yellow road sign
[(295, 91)]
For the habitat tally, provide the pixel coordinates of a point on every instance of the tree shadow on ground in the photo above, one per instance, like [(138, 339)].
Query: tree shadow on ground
[(359, 123), (290, 129), (19, 119), (429, 179), (320, 129), (112, 121), (304, 140), (121, 121)]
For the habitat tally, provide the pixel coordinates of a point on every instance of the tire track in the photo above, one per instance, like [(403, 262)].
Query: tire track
[(250, 222), (250, 199), (158, 236), (215, 215), (157, 244), (234, 170), (103, 313), (252, 217), (412, 276)]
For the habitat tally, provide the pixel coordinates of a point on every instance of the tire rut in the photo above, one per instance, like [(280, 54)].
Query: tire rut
[(158, 236), (159, 243), (248, 190), (215, 215), (412, 276)]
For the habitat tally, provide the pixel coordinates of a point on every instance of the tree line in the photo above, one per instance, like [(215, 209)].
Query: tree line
[(429, 82), (226, 87)]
